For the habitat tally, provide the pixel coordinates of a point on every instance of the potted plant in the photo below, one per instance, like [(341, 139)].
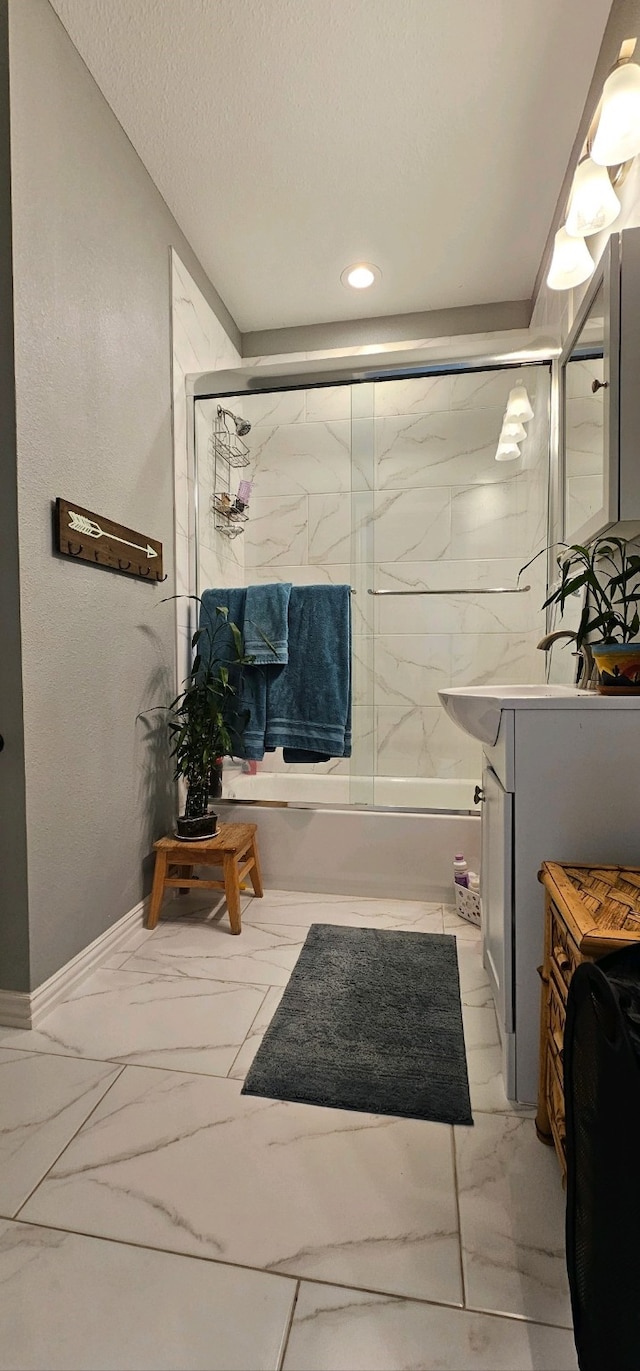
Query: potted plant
[(610, 575), (207, 720)]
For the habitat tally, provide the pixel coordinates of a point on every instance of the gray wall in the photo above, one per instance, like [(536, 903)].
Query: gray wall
[(91, 238), (14, 929)]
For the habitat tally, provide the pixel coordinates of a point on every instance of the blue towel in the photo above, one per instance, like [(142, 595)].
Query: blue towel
[(218, 641), (308, 704), (220, 650), (305, 705), (266, 624)]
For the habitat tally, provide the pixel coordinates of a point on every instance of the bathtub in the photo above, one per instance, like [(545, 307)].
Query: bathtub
[(314, 836), (384, 792)]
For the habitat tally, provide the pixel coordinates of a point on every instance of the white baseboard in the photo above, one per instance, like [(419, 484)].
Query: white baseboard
[(15, 1009), (25, 1009)]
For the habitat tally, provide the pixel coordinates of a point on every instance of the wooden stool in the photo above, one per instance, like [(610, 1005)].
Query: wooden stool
[(234, 848)]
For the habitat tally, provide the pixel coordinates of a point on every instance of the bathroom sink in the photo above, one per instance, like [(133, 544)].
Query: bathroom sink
[(477, 709)]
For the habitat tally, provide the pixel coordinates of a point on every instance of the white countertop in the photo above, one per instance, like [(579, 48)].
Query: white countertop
[(544, 697), (477, 709)]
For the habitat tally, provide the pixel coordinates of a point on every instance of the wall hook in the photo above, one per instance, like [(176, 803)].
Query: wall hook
[(89, 537)]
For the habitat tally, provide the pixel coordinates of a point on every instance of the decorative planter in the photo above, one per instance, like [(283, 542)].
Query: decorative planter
[(193, 830), (619, 667)]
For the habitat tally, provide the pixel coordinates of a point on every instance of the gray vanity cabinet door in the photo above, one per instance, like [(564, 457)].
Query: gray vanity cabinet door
[(497, 893)]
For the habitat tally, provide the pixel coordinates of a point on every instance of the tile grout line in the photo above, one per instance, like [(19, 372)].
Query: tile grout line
[(289, 1326), (170, 972), (525, 1112), (68, 1143), (285, 1275), (134, 1066), (246, 1036)]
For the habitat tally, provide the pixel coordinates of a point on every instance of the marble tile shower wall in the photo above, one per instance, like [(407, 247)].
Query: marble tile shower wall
[(395, 485)]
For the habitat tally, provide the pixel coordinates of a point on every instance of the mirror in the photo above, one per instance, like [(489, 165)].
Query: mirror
[(584, 423)]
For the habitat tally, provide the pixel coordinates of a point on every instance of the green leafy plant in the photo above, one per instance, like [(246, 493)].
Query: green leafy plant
[(610, 575), (207, 720)]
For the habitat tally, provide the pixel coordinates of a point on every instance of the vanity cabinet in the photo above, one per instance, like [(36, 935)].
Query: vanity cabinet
[(600, 400), (497, 893), (561, 784)]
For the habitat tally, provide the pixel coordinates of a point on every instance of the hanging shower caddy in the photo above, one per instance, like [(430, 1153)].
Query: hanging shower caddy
[(228, 452)]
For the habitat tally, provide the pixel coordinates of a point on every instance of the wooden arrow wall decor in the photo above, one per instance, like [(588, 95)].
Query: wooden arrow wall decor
[(90, 537)]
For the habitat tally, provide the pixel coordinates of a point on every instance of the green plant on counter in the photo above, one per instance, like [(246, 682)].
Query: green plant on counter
[(610, 575)]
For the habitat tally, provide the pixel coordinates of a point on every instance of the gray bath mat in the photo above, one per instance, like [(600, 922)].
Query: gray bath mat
[(370, 1020)]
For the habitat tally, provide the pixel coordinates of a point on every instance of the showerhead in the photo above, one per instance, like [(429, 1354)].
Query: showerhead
[(242, 426)]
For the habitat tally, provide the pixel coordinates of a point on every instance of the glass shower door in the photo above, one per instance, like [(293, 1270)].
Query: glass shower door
[(393, 486), (449, 525)]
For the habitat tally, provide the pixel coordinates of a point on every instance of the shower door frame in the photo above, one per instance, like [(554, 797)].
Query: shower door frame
[(261, 379)]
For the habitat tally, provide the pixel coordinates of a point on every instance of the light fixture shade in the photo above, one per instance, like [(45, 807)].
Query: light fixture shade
[(519, 405), (571, 263), (594, 204), (506, 452), (618, 133), (513, 431)]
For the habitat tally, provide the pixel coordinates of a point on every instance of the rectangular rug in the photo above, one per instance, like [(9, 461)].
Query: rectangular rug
[(370, 1020)]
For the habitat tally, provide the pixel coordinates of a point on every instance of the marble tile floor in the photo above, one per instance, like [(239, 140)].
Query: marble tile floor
[(151, 1216)]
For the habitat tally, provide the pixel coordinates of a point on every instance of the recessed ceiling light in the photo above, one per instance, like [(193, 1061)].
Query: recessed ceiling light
[(360, 276)]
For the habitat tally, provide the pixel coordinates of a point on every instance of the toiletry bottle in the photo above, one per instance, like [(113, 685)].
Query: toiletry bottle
[(460, 870)]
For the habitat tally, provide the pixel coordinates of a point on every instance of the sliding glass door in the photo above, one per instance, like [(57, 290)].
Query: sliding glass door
[(392, 486)]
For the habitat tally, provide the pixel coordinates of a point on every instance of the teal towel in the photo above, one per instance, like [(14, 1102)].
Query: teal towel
[(251, 683), (266, 624), (305, 705), (308, 705), (234, 601)]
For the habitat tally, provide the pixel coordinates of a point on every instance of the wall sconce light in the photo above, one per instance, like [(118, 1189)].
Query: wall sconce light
[(612, 142), (507, 452), (571, 263), (594, 204), (519, 405), (617, 137), (517, 414), (512, 430)]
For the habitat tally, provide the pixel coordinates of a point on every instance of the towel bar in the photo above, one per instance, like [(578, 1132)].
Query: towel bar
[(479, 590)]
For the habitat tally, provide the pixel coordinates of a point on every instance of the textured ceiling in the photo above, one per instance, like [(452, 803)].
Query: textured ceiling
[(293, 137)]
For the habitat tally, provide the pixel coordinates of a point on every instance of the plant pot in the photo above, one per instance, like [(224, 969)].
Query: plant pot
[(619, 667), (215, 781), (205, 826)]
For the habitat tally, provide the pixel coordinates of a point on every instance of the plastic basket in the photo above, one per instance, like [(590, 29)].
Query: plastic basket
[(468, 904)]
